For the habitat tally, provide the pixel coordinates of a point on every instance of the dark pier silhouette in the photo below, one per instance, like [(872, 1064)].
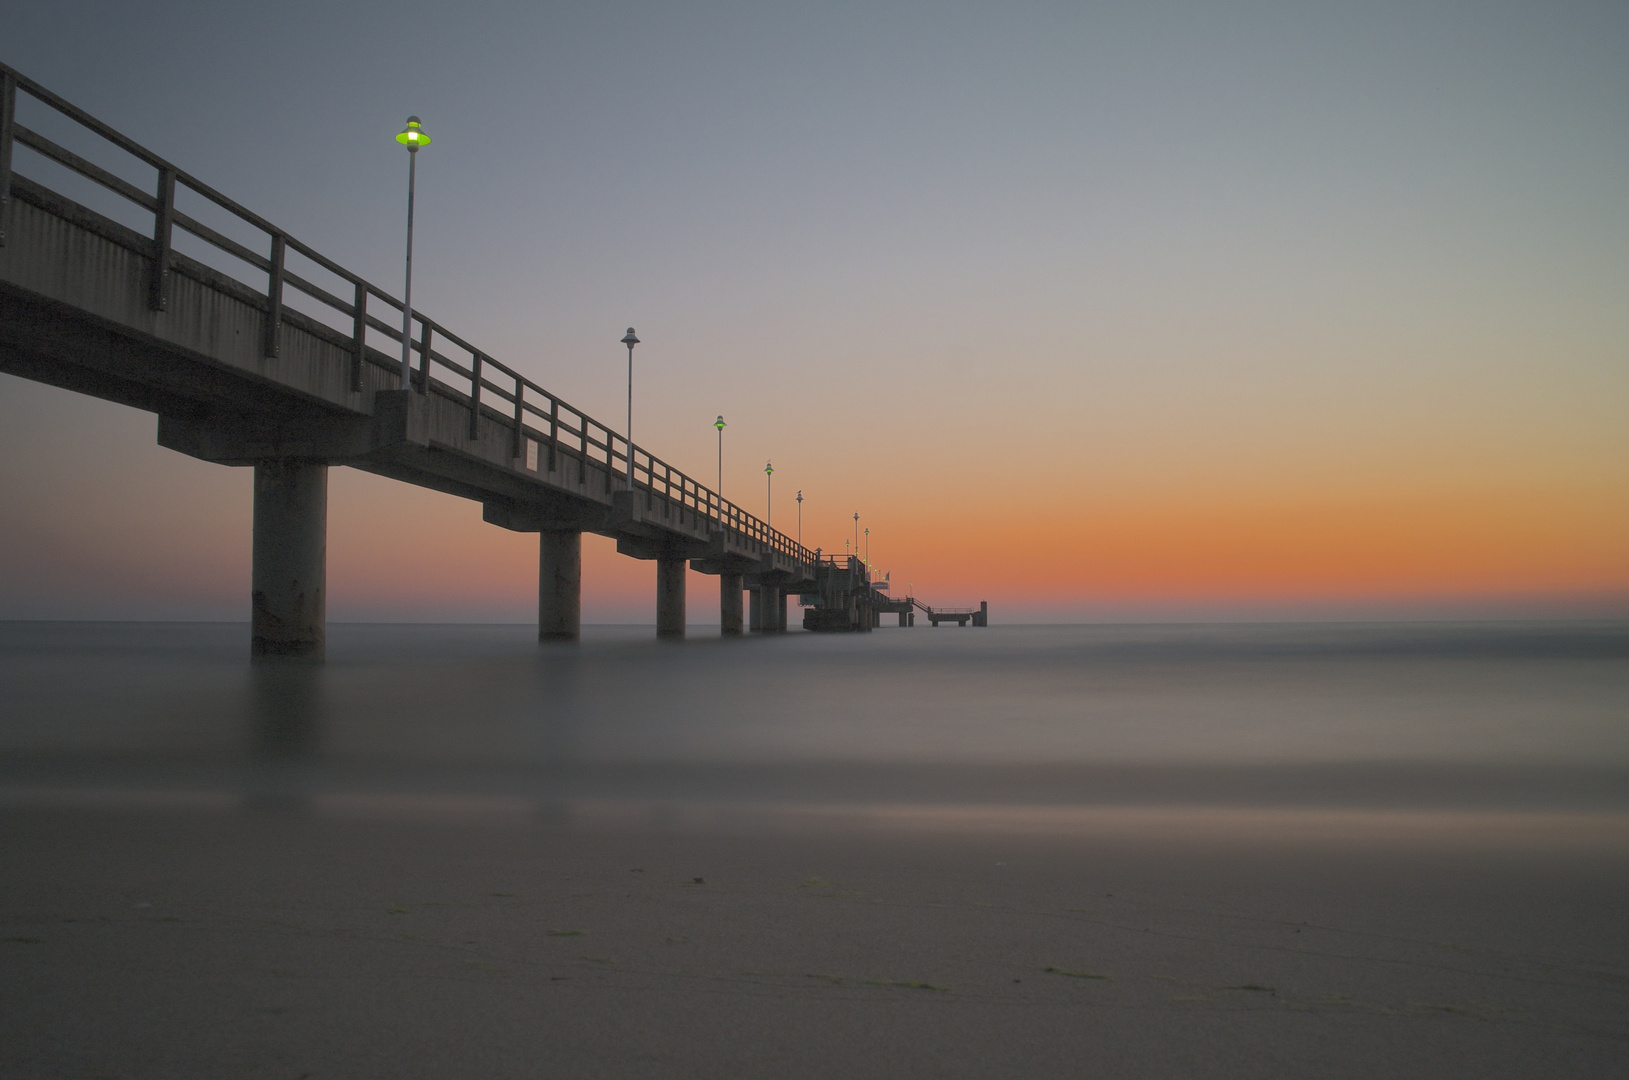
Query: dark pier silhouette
[(269, 366)]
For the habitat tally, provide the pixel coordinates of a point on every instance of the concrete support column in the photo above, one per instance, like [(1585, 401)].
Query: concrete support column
[(290, 562), (756, 603), (729, 603), (769, 609), (559, 585), (902, 618), (670, 597), (780, 611)]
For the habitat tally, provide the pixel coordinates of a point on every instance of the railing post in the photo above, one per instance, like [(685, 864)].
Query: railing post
[(359, 335), (520, 395), (475, 398), (158, 288), (554, 430), (8, 121), (274, 296), (424, 357)]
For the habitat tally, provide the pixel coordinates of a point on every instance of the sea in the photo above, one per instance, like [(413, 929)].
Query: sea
[(967, 728)]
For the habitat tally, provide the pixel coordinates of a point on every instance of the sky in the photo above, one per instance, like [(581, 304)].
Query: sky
[(1092, 311)]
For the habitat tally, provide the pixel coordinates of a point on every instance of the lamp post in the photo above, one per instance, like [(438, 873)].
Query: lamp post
[(800, 517), (856, 532), (412, 136), (868, 547), (719, 424), (769, 494), (629, 339)]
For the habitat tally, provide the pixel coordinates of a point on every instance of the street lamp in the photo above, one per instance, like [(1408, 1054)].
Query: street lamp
[(412, 136), (629, 339), (856, 532), (800, 517), (719, 424), (769, 496), (868, 547)]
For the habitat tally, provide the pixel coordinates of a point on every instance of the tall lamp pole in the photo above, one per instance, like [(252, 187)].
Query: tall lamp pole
[(856, 532), (720, 425), (769, 494), (412, 136), (630, 340), (868, 547), (800, 517)]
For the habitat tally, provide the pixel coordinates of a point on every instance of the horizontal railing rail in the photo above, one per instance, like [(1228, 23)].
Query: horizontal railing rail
[(493, 392)]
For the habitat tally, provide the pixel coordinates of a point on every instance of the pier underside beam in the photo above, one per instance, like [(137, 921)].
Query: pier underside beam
[(560, 585), (289, 575)]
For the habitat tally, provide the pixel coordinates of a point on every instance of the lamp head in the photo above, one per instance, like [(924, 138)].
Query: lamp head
[(630, 339), (413, 135), (719, 423), (769, 467), (800, 496)]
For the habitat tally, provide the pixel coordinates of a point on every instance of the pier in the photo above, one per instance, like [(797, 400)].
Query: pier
[(270, 367)]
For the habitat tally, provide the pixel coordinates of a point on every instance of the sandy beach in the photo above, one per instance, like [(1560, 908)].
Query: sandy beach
[(283, 941)]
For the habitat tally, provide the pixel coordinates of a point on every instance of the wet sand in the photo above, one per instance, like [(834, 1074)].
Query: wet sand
[(281, 942)]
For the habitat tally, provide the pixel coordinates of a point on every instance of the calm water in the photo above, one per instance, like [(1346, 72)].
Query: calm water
[(1532, 716)]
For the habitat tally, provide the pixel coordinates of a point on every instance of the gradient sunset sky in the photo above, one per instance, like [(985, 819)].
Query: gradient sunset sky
[(1126, 311)]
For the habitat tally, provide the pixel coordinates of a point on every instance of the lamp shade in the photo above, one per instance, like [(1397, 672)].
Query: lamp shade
[(413, 135)]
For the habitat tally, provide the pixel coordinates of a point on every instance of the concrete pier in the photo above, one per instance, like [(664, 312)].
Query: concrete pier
[(257, 368), (729, 603), (670, 597), (560, 585), (290, 561)]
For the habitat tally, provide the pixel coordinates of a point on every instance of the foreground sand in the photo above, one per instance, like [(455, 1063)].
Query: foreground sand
[(285, 943)]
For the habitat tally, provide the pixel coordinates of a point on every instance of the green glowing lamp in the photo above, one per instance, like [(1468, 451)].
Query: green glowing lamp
[(719, 423), (413, 135)]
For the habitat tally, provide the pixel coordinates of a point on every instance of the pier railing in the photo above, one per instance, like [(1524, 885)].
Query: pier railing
[(544, 427)]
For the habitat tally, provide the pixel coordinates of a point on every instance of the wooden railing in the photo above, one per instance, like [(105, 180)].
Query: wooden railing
[(490, 390)]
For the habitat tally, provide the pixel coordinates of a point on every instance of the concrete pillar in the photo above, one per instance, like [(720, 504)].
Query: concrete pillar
[(766, 602), (290, 562), (902, 618), (670, 597), (729, 603), (780, 611), (756, 604), (560, 585)]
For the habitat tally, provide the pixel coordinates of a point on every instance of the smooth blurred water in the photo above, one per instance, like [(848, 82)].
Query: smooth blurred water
[(1420, 714)]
